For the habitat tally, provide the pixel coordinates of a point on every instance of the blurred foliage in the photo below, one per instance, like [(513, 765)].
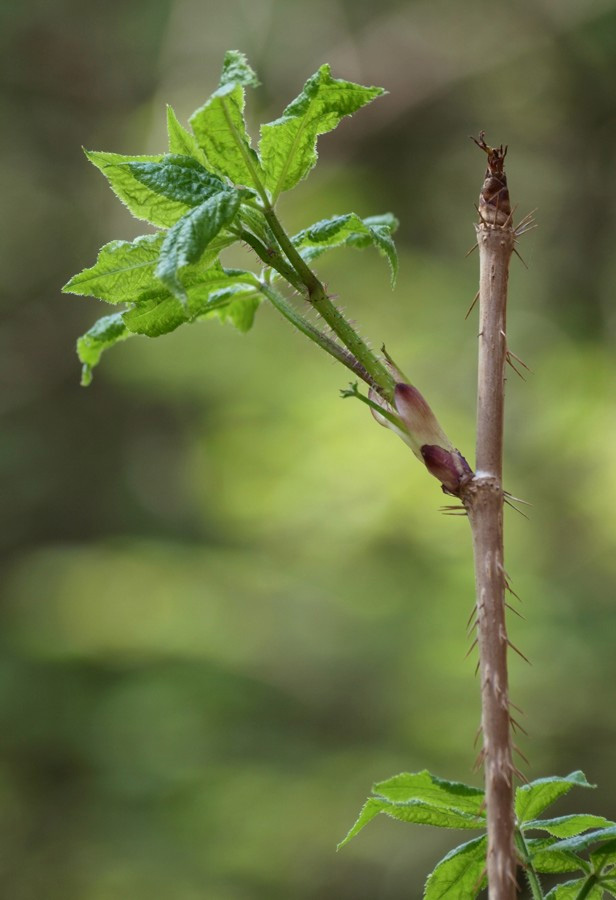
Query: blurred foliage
[(230, 603)]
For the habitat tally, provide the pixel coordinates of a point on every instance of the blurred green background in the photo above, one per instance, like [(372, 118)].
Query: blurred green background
[(230, 602)]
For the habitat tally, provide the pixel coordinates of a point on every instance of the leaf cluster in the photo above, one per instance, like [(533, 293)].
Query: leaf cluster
[(209, 191), (424, 799)]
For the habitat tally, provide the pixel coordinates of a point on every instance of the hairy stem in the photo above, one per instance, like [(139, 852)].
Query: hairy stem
[(483, 499), (531, 875)]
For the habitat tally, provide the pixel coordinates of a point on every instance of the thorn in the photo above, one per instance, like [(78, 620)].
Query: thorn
[(477, 668), (519, 752), (517, 371), (471, 648), (514, 610), (516, 726), (517, 499), (519, 511), (521, 361), (471, 307), (519, 652), (515, 706), (473, 611), (471, 627), (477, 733), (519, 774), (479, 760), (520, 258), (468, 252)]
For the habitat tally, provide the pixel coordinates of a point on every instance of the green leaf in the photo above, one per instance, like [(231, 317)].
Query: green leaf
[(142, 201), (123, 269), (533, 798), (351, 230), (459, 874), (424, 799), (583, 841), (570, 890), (186, 241), (288, 145), (604, 855), (182, 141), (567, 826), (104, 334), (231, 294), (179, 178), (547, 860), (220, 128)]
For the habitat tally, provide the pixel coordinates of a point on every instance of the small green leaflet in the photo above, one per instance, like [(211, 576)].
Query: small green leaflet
[(220, 128), (567, 826), (103, 334), (583, 841), (178, 178), (350, 230), (182, 141), (186, 241), (570, 890), (142, 201), (122, 271), (531, 799), (424, 799), (288, 145), (459, 874), (554, 862)]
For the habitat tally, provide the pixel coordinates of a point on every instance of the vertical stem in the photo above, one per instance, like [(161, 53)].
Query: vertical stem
[(483, 499)]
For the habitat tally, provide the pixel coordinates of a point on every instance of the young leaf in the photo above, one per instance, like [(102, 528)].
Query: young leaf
[(351, 230), (182, 141), (533, 798), (220, 128), (605, 855), (104, 334), (437, 792), (143, 202), (567, 826), (179, 178), (570, 890), (122, 271), (186, 241), (288, 146), (459, 874), (554, 862), (583, 841)]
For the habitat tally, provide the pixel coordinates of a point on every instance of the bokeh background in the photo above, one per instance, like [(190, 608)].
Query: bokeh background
[(230, 601)]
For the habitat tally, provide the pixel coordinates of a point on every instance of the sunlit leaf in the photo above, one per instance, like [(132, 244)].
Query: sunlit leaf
[(549, 861), (288, 146), (123, 270), (181, 140), (583, 841), (531, 799), (104, 334), (459, 874), (179, 178), (567, 826), (570, 890)]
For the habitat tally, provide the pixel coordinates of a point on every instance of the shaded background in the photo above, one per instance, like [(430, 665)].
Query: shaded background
[(230, 602)]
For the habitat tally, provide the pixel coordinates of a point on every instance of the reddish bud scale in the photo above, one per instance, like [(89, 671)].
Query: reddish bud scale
[(449, 466)]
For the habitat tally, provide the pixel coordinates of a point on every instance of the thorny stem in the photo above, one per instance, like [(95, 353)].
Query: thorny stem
[(483, 498), (531, 875)]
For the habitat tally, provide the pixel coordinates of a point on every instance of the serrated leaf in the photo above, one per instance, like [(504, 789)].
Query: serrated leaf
[(459, 874), (220, 128), (349, 229), (178, 178), (437, 792), (187, 240), (546, 860), (288, 146), (570, 890), (231, 294), (567, 826), (531, 799), (123, 269), (181, 140), (423, 799), (583, 841), (142, 201), (104, 334), (604, 855)]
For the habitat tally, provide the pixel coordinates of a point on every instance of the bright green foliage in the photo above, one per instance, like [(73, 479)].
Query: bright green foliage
[(212, 190), (288, 145), (459, 874), (189, 237), (350, 230), (424, 799), (220, 128), (571, 890), (533, 798), (103, 334)]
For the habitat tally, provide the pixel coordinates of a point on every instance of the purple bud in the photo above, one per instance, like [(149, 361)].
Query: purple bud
[(449, 466), (420, 421)]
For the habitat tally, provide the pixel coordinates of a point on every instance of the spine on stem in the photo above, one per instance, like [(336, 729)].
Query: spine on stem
[(484, 498)]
